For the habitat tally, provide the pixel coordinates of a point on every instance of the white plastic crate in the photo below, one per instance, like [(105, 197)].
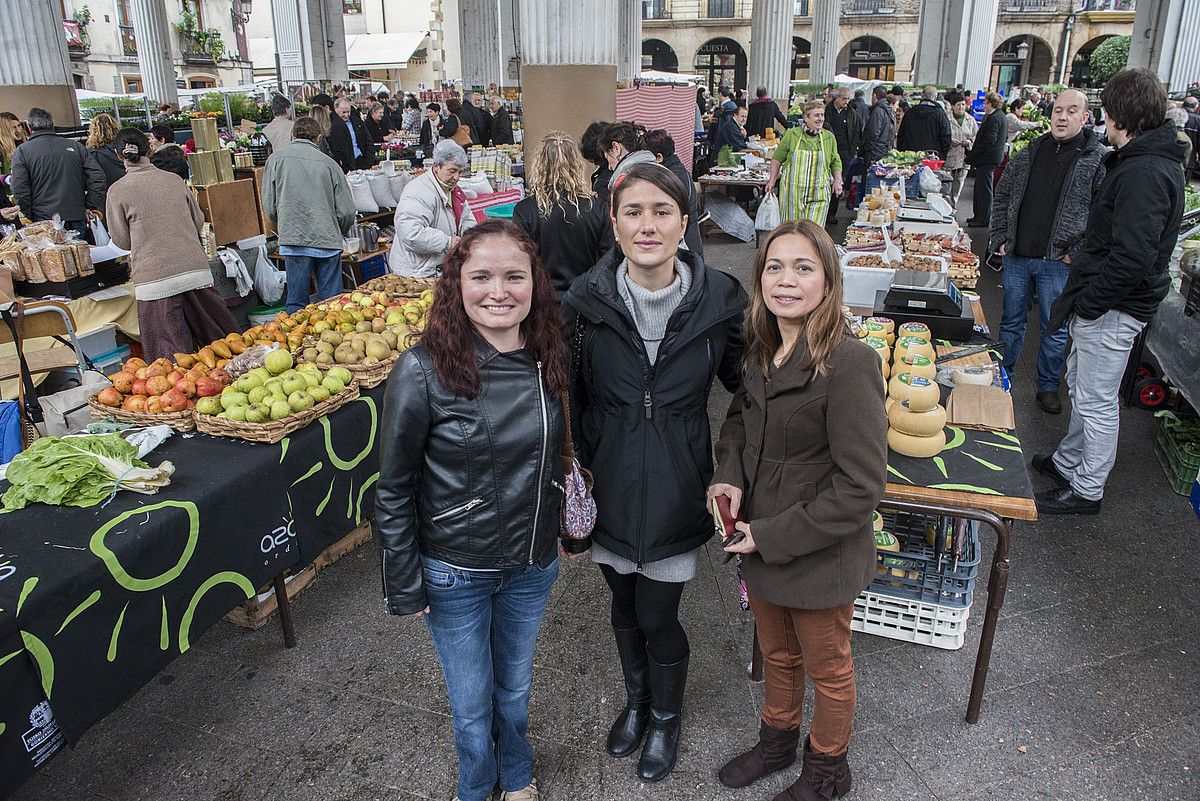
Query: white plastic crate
[(910, 621)]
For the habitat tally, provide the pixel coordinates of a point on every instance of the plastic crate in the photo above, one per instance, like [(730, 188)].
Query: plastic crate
[(110, 362), (98, 342), (373, 267), (502, 212), (910, 621), (1181, 467), (923, 573)]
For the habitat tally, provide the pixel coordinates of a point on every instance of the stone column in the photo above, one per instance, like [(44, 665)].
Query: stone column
[(771, 48), (1166, 40), (825, 40), (629, 40), (34, 67), (479, 43), (310, 40), (977, 43), (153, 35), (956, 42), (568, 66)]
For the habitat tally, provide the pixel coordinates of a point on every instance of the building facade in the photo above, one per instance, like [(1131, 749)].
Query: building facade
[(207, 42), (1036, 41)]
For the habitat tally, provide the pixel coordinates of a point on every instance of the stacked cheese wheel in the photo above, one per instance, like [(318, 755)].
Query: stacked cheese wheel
[(915, 418)]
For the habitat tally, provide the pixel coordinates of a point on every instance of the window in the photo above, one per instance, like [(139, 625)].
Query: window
[(196, 7), (720, 9), (132, 83), (801, 8), (201, 82), (351, 6)]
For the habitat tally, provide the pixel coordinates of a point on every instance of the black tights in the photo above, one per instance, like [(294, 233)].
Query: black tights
[(653, 607)]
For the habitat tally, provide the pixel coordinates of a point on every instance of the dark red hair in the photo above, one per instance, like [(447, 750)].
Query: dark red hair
[(450, 335)]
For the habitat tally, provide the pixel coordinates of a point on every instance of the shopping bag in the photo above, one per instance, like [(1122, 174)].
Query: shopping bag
[(268, 281), (66, 411), (767, 218), (99, 232), (236, 269), (360, 190)]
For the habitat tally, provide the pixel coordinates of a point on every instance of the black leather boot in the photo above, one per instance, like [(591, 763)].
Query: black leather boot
[(626, 733), (667, 683), (823, 778)]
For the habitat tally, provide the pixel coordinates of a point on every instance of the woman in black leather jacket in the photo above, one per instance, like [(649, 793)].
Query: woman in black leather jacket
[(470, 489), (652, 326)]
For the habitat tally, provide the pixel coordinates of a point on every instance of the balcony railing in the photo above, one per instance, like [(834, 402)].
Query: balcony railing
[(655, 9), (1112, 5), (194, 52), (128, 43), (1029, 6), (865, 7)]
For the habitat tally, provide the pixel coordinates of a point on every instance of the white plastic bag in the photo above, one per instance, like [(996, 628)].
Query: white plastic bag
[(767, 218), (100, 233), (381, 190), (360, 190), (398, 184), (268, 281), (929, 183)]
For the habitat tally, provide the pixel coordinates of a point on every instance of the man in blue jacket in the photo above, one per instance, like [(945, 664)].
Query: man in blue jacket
[(1115, 285)]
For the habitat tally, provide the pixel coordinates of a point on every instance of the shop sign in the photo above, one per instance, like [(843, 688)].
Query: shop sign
[(289, 58), (717, 49), (864, 52)]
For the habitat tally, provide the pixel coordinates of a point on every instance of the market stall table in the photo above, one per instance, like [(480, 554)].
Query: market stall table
[(95, 601)]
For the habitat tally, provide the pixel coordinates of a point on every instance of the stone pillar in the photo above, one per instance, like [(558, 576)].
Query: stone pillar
[(629, 40), (825, 40), (479, 43), (569, 66), (34, 67), (956, 42), (771, 48), (153, 35), (310, 40), (1166, 40)]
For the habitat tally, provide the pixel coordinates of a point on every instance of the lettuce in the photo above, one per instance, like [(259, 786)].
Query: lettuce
[(79, 471)]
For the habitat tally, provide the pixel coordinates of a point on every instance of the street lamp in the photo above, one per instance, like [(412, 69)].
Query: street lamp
[(1023, 51)]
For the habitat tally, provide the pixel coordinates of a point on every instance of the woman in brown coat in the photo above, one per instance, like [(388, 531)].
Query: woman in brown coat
[(803, 459)]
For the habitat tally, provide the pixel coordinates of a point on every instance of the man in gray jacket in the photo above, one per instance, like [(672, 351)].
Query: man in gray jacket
[(54, 175), (305, 193), (1039, 216), (879, 135)]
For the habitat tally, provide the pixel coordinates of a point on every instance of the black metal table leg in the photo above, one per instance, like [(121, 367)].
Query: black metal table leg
[(285, 612)]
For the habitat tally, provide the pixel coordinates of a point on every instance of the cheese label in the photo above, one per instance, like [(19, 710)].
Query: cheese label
[(885, 541), (914, 329), (878, 343), (916, 359), (915, 380)]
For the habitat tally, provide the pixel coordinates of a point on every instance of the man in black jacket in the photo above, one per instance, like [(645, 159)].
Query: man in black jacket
[(985, 156), (763, 113), (1038, 221), (476, 118), (165, 154), (500, 124), (843, 122), (1115, 285), (926, 126), (880, 131), (348, 140), (54, 175)]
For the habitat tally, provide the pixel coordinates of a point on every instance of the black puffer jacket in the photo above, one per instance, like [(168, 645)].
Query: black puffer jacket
[(476, 483), (925, 127), (643, 430), (55, 175), (1131, 232)]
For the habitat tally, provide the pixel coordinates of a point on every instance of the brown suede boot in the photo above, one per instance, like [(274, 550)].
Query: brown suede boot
[(822, 778), (776, 750)]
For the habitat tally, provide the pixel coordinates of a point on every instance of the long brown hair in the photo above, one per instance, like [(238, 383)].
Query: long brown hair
[(823, 328), (450, 336)]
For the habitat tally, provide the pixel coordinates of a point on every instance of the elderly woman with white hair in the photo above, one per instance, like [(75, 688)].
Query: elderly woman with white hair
[(431, 215), (1179, 116)]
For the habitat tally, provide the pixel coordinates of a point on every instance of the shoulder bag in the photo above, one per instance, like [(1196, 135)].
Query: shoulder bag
[(579, 507), (462, 134)]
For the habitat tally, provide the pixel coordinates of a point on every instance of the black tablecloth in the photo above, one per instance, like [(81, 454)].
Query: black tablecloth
[(987, 462), (94, 602)]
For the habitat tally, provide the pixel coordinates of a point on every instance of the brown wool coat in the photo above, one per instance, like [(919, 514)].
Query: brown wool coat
[(809, 452)]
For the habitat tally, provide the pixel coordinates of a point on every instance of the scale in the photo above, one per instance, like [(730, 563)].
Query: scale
[(917, 296), (933, 208)]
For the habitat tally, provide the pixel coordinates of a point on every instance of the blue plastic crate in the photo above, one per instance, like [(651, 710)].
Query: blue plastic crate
[(502, 212), (373, 267), (111, 361), (923, 573)]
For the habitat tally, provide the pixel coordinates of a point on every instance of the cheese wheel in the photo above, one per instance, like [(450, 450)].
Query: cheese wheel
[(875, 329), (887, 404), (878, 345), (917, 424), (914, 330), (876, 521), (886, 369), (921, 393), (917, 447), (889, 325), (918, 364), (981, 376), (909, 344)]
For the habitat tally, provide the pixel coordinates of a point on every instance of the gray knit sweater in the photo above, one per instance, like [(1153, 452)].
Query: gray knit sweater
[(652, 310)]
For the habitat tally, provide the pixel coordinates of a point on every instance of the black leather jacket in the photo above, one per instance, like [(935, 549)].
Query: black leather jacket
[(476, 483)]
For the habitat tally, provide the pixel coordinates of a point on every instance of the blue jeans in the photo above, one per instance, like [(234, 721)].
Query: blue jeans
[(1021, 275), (484, 627), (299, 273)]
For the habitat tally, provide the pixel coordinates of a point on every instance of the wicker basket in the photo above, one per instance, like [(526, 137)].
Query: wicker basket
[(276, 429), (370, 376), (180, 421)]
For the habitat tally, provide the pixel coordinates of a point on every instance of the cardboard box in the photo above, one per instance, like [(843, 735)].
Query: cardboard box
[(224, 161), (204, 133), (256, 174), (203, 167), (231, 210)]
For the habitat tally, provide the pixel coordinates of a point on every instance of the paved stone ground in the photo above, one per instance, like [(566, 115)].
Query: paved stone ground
[(1094, 690)]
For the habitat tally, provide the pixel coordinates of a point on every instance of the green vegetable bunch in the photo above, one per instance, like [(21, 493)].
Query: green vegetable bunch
[(79, 471), (1186, 433)]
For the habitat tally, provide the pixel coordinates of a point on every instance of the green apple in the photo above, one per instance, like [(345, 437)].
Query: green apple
[(280, 409), (300, 401), (260, 373), (277, 361), (332, 384), (232, 398), (341, 374), (258, 413), (313, 379), (294, 384), (318, 393), (209, 405), (237, 412), (258, 394)]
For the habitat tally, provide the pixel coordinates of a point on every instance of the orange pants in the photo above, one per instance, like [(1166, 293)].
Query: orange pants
[(807, 642)]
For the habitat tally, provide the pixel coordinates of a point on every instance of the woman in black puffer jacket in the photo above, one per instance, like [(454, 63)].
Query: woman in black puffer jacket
[(650, 327)]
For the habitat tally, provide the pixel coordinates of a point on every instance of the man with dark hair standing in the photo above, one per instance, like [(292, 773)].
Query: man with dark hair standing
[(985, 156), (843, 123), (859, 104), (880, 130), (1115, 285), (1038, 221), (279, 130), (348, 140), (500, 123), (1192, 106), (54, 175), (763, 113)]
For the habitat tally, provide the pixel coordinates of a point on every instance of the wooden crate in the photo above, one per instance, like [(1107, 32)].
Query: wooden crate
[(256, 174), (258, 611), (231, 210)]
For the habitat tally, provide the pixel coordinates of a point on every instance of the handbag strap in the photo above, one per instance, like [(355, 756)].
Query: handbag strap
[(568, 449), (27, 399)]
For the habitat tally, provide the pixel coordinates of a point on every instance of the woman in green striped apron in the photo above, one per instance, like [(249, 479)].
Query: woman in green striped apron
[(808, 158)]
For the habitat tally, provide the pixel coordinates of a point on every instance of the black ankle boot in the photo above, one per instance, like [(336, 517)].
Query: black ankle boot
[(823, 778), (667, 683), (626, 733)]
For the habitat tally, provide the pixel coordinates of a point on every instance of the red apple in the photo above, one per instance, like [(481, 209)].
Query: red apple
[(134, 364), (174, 376), (134, 403), (208, 387), (157, 385), (173, 401), (109, 396), (141, 374), (123, 382), (186, 387), (139, 387), (191, 404), (221, 376), (156, 370), (154, 405)]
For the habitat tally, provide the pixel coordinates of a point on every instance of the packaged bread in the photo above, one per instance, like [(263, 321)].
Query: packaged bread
[(31, 265), (46, 229), (58, 264), (11, 260), (83, 258)]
